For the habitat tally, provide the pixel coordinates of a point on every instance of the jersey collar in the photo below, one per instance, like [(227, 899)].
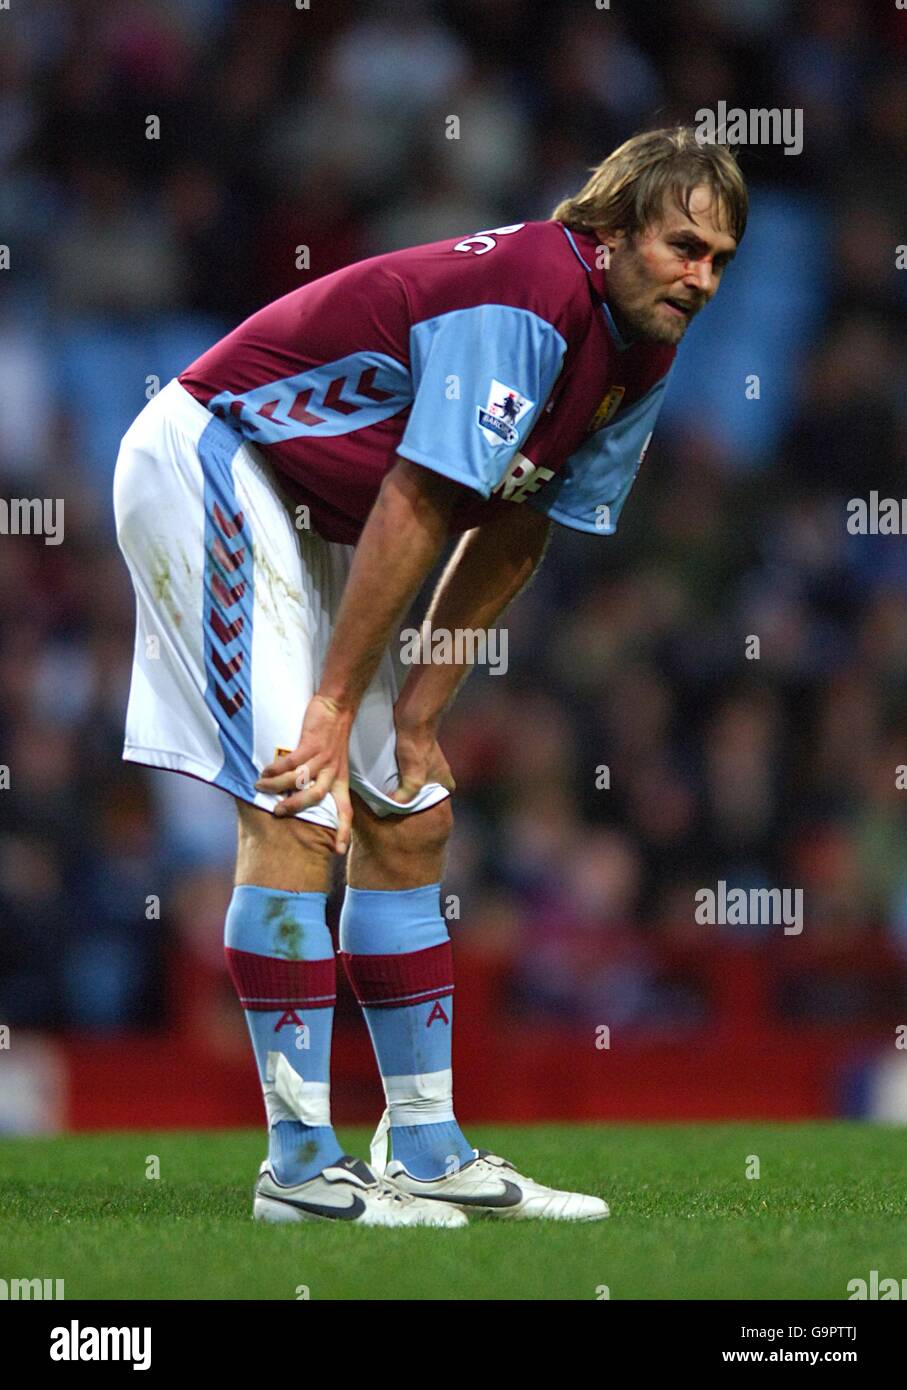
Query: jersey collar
[(584, 246)]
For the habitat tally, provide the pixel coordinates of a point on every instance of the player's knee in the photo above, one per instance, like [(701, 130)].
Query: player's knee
[(423, 833), (429, 830)]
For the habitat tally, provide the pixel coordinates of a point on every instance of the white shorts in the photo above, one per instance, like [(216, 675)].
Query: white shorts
[(236, 607)]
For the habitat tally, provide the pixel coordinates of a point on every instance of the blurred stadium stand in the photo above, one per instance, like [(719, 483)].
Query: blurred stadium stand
[(325, 128)]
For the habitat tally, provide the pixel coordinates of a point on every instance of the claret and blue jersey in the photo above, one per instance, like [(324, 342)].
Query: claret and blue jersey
[(491, 359)]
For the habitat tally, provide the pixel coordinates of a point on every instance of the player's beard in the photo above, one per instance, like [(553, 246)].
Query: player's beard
[(648, 320)]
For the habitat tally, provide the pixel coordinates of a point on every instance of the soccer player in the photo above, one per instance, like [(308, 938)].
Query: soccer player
[(279, 506)]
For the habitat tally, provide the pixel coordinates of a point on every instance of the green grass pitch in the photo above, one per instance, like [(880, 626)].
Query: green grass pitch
[(687, 1223)]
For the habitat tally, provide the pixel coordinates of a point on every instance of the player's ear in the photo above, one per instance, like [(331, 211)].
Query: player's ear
[(609, 238)]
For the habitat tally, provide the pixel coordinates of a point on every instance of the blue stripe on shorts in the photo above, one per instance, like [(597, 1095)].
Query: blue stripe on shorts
[(229, 590)]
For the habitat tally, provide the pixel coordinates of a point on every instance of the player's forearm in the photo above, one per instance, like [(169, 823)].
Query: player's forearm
[(401, 540), (489, 567)]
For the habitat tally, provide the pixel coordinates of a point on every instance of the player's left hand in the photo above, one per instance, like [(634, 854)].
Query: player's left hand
[(419, 760)]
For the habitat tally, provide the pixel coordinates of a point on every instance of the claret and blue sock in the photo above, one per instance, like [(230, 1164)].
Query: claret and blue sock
[(397, 954), (281, 960)]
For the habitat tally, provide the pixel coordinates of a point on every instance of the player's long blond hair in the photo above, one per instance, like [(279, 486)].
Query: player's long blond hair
[(628, 190)]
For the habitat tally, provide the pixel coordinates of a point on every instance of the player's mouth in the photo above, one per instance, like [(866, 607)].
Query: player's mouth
[(680, 308)]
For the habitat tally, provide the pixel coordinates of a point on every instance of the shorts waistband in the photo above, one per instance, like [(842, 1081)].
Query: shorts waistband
[(188, 411)]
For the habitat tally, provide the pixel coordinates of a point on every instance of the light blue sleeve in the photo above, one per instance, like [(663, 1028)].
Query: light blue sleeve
[(590, 490), (481, 376)]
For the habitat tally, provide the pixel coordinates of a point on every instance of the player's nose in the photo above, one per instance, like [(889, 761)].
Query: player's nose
[(700, 276)]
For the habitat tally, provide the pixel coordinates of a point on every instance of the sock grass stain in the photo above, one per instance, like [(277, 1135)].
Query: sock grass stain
[(307, 1151), (287, 933)]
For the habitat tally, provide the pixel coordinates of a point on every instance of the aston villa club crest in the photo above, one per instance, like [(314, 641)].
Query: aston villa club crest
[(607, 407), (505, 409)]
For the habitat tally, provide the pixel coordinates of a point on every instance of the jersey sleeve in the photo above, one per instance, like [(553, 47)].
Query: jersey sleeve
[(481, 377), (589, 492)]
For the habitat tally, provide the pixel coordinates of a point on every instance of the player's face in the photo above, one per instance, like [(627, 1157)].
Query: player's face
[(658, 282)]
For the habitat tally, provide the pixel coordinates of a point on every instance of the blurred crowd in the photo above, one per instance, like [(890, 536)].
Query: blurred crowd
[(640, 747)]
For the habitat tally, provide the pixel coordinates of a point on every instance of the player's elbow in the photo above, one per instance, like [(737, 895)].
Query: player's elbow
[(522, 530), (423, 491)]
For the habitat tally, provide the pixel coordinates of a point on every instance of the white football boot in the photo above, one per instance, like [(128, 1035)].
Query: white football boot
[(346, 1191), (488, 1185)]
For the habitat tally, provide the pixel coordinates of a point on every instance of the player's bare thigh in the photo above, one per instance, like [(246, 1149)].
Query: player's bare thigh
[(397, 852), (291, 854)]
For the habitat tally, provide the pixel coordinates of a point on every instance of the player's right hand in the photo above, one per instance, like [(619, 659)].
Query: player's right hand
[(319, 764)]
